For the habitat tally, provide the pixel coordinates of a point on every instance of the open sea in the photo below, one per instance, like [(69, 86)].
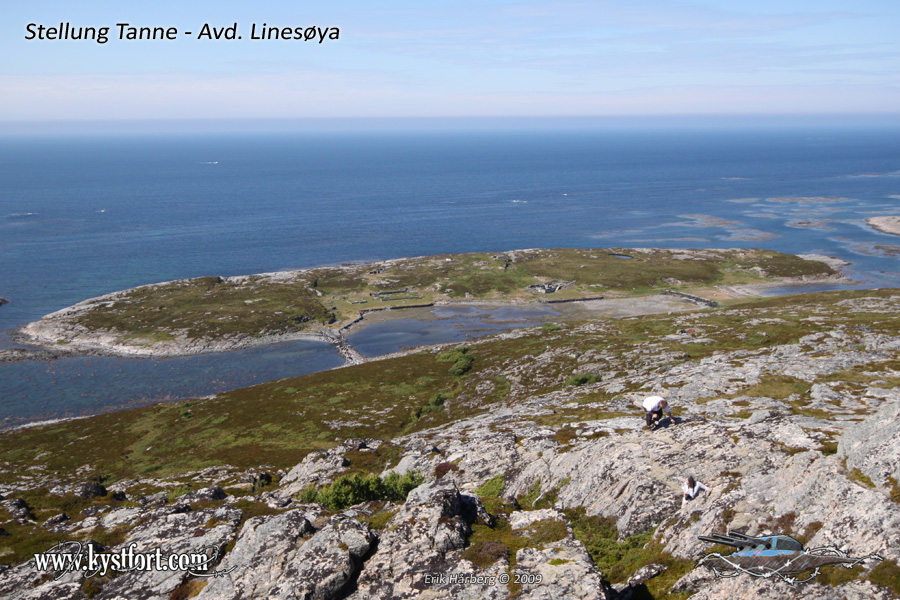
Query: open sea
[(85, 215)]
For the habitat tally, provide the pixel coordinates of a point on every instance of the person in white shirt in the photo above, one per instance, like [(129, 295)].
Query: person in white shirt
[(655, 406), (691, 488)]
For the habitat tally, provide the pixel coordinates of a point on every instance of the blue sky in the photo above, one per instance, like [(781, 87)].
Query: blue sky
[(514, 58)]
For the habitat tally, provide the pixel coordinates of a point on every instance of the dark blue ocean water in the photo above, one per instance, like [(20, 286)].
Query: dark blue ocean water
[(81, 216)]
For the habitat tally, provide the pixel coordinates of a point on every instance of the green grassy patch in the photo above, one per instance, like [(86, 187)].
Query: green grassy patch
[(618, 560), (250, 509), (894, 489), (24, 541), (487, 545), (281, 421), (378, 519), (189, 589), (568, 416), (565, 435), (777, 387), (372, 460), (887, 575), (857, 475), (208, 307), (828, 448), (491, 487)]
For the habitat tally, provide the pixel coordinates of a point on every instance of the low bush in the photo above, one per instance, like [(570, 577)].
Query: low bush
[(437, 400), (444, 468), (461, 359), (618, 560), (357, 488), (583, 379)]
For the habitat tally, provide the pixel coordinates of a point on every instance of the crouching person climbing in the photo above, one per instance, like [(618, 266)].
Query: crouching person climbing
[(655, 406), (691, 488)]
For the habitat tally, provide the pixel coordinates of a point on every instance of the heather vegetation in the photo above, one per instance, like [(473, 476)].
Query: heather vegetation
[(284, 420), (178, 316), (766, 392)]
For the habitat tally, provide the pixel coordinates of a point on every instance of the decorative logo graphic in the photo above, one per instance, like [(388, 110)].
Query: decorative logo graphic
[(773, 556)]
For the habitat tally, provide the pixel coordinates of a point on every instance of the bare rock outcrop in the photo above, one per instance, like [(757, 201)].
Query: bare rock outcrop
[(873, 446), (283, 556), (321, 467), (417, 541)]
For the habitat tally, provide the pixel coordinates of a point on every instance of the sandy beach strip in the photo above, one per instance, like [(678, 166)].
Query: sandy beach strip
[(889, 225)]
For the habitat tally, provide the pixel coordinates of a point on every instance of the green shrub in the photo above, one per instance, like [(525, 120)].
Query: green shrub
[(437, 400), (583, 379), (462, 365), (461, 359), (357, 488), (397, 487), (835, 575), (350, 490), (619, 560), (434, 403), (307, 495), (600, 537)]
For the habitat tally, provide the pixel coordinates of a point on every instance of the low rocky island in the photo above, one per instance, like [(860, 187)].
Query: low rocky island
[(515, 466), (210, 314), (889, 225)]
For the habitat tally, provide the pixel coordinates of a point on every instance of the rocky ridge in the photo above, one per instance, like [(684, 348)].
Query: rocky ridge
[(800, 438)]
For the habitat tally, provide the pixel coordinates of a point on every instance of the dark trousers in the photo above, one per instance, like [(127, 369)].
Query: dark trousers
[(653, 417)]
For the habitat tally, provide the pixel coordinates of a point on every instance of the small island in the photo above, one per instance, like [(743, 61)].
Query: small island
[(886, 224), (210, 314)]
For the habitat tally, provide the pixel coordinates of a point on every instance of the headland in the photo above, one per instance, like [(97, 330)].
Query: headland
[(214, 314)]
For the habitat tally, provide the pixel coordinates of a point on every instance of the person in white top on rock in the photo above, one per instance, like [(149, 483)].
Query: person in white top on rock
[(655, 406), (691, 488)]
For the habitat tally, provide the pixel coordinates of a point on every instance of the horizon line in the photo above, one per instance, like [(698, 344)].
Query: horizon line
[(445, 123)]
